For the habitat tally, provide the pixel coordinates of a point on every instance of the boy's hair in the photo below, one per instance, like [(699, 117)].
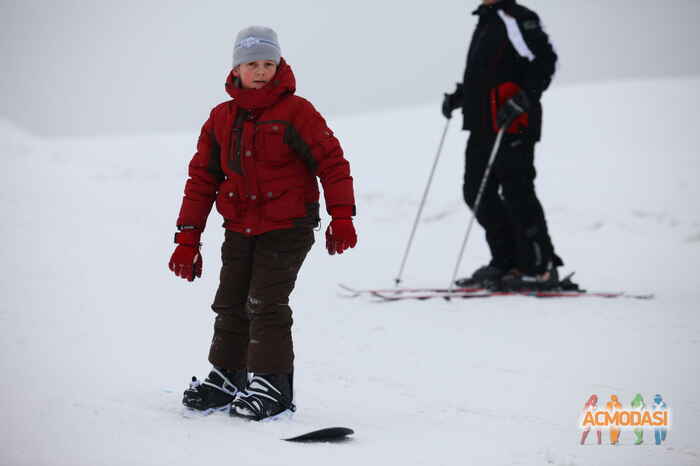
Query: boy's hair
[(256, 43)]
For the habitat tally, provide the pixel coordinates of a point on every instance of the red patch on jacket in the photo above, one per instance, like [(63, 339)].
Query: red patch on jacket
[(499, 96)]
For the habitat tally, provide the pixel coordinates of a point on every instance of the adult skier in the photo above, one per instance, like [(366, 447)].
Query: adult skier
[(509, 65)]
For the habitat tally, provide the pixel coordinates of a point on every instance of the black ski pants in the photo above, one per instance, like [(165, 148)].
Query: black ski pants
[(511, 214), (253, 326)]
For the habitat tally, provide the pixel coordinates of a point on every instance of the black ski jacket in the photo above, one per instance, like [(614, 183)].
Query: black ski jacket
[(509, 44)]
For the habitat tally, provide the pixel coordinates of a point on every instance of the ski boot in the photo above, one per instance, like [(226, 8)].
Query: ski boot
[(266, 396), (486, 276), (216, 392), (518, 281)]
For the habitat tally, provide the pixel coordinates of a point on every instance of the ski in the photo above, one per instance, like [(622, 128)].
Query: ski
[(349, 292), (446, 295), (565, 284), (565, 288)]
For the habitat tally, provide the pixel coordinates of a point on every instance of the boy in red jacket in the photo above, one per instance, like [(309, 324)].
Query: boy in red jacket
[(258, 157)]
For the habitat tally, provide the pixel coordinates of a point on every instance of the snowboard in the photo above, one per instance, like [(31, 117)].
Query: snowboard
[(329, 435)]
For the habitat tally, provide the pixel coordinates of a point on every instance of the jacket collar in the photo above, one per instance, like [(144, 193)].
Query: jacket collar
[(282, 83)]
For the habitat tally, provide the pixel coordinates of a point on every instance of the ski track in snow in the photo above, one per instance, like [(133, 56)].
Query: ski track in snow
[(99, 340)]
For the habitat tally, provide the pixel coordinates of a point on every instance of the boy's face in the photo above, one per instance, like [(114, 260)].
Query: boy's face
[(255, 74)]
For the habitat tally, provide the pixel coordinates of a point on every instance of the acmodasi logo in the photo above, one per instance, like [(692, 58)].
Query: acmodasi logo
[(614, 419)]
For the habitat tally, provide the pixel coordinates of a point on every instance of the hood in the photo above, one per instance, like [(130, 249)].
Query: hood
[(658, 399), (282, 83), (613, 398)]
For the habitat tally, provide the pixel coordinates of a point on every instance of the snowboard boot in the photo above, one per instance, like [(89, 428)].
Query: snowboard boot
[(266, 396), (486, 276), (518, 281), (216, 392)]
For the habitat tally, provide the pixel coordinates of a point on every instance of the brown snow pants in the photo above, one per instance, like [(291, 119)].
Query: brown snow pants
[(253, 326)]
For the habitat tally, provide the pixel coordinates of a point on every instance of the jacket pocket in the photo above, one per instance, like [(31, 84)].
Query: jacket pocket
[(228, 203), (270, 142), (284, 205)]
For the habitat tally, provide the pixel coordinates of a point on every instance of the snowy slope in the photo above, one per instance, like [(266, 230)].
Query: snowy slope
[(98, 339)]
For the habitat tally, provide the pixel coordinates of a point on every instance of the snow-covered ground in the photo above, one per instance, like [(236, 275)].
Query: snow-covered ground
[(98, 339)]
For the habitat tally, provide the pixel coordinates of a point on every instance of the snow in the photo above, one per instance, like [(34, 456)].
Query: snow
[(99, 339)]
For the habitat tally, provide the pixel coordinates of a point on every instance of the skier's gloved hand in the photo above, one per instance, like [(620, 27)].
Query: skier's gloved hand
[(340, 234), (512, 109), (186, 261), (447, 106), (451, 102)]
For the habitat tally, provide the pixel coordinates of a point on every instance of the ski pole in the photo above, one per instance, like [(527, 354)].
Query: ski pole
[(477, 202), (397, 280)]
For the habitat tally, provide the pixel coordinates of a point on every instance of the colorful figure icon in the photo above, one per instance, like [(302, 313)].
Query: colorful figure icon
[(591, 405), (613, 405), (638, 404), (660, 405)]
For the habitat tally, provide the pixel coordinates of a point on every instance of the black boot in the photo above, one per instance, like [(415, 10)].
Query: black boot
[(265, 396), (216, 392), (486, 276), (545, 281)]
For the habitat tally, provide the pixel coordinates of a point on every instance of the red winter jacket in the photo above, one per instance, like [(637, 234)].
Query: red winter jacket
[(258, 157)]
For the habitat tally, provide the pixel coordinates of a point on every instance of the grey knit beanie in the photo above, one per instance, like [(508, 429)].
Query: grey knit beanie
[(256, 43)]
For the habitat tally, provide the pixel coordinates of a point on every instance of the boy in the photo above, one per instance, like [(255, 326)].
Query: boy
[(258, 157)]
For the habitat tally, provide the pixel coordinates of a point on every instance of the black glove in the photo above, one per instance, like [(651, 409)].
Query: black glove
[(452, 101), (512, 109), (447, 106)]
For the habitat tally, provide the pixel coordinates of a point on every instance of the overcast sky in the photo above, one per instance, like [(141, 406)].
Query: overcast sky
[(81, 68)]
